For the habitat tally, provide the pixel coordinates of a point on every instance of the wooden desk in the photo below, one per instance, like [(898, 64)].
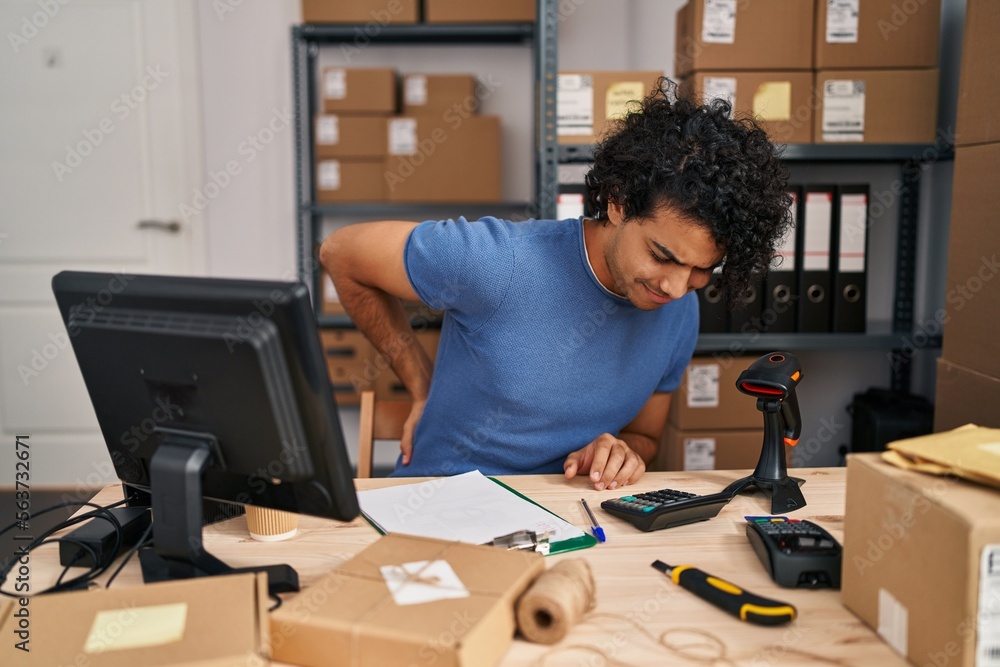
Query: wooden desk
[(626, 584)]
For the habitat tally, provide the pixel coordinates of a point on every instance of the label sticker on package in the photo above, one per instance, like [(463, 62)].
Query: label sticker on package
[(136, 628), (988, 618), (423, 581), (415, 90), (329, 175), (623, 97), (335, 84), (703, 386), (719, 23), (842, 21), (721, 88), (893, 621), (403, 136), (773, 100), (699, 453), (328, 130), (575, 105), (844, 110)]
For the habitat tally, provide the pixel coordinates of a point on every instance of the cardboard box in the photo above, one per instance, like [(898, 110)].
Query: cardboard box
[(359, 90), (339, 136), (587, 100), (978, 93), (965, 396), (443, 159), (209, 622), (352, 617), (382, 12), (760, 35), (709, 450), (437, 93), (782, 101), (350, 363), (708, 399), (876, 106), (479, 11), (920, 560), (350, 180), (881, 34), (972, 292)]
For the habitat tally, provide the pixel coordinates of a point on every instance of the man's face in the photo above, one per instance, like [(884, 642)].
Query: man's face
[(660, 258)]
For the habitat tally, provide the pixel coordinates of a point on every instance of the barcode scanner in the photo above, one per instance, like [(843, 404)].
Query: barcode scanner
[(772, 380)]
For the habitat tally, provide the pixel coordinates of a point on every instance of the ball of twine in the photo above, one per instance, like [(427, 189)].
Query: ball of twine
[(557, 600)]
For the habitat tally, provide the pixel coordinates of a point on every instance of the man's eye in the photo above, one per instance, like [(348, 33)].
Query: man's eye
[(661, 260)]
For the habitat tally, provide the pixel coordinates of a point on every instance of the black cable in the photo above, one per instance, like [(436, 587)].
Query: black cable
[(143, 540), (97, 570), (277, 602)]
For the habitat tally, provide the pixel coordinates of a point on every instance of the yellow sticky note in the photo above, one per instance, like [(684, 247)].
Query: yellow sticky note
[(136, 627), (773, 100), (621, 97)]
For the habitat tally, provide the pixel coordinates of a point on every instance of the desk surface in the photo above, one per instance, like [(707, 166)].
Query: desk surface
[(825, 632)]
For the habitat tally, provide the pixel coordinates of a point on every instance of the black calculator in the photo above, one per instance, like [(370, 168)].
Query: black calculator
[(796, 553), (665, 508)]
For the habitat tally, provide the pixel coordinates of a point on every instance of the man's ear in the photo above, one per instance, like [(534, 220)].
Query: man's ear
[(615, 213)]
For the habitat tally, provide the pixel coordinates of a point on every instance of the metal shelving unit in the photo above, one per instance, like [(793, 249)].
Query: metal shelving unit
[(893, 335), (308, 39)]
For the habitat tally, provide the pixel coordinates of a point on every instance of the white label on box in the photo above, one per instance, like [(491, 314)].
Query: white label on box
[(842, 21), (569, 205), (703, 386), (893, 620), (844, 110), (328, 130), (415, 90), (719, 23), (335, 84), (816, 242), (403, 136), (721, 88), (988, 618), (423, 581), (699, 453), (853, 220), (575, 105), (329, 175)]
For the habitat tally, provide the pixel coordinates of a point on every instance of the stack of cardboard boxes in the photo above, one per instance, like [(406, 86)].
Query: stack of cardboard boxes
[(861, 71), (589, 101), (711, 425), (968, 372), (438, 150)]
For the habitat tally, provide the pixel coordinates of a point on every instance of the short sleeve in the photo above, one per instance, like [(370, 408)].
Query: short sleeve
[(687, 338), (462, 267)]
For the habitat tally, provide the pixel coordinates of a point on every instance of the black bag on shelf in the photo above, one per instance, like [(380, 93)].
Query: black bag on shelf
[(881, 416)]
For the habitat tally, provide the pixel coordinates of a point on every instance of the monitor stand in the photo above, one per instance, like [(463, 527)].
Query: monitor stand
[(175, 488)]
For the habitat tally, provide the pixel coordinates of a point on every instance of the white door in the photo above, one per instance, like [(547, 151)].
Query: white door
[(98, 150)]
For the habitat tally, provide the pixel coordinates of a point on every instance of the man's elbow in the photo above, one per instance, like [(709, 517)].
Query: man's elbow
[(331, 251)]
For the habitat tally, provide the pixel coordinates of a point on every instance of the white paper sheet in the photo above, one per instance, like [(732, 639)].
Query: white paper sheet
[(465, 508)]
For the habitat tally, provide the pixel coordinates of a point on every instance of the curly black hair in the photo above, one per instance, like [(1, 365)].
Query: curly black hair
[(722, 173)]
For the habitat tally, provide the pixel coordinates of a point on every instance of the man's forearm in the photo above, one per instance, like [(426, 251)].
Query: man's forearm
[(381, 318), (642, 445)]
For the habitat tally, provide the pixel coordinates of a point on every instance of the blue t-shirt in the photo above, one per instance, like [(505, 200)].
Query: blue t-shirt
[(536, 357)]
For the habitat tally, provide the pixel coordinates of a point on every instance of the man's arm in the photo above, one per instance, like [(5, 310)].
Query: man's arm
[(365, 261), (613, 462)]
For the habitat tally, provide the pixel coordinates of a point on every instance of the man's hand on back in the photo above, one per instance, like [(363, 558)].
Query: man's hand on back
[(406, 442), (609, 461)]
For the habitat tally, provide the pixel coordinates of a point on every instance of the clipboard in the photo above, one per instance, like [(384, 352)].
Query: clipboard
[(388, 508)]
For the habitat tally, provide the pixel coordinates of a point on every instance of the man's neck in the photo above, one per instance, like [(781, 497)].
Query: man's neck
[(595, 236)]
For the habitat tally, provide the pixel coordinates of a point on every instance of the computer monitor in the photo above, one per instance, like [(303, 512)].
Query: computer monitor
[(209, 388)]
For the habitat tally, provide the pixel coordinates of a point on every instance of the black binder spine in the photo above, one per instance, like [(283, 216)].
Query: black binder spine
[(815, 281), (849, 259), (781, 287)]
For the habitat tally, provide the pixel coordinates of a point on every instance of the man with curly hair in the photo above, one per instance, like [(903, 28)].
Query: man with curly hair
[(562, 340)]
